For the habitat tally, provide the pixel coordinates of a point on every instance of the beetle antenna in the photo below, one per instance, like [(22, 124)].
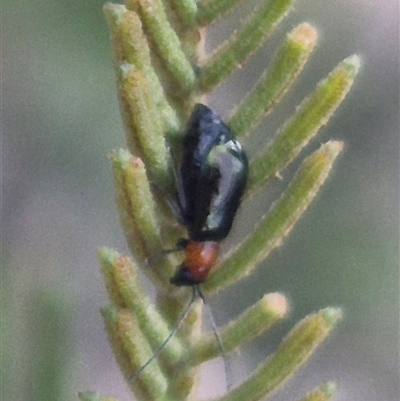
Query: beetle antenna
[(165, 342), (228, 375)]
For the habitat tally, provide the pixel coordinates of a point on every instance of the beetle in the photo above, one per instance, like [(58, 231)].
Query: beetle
[(210, 185)]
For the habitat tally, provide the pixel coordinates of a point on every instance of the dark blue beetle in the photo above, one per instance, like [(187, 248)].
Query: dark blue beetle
[(210, 184)]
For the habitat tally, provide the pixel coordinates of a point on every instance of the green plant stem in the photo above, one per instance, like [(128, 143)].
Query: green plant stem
[(113, 15), (314, 112), (242, 44), (131, 47), (148, 130), (161, 72), (125, 291), (165, 41), (210, 10), (185, 10), (254, 321), (133, 351), (295, 349), (137, 210), (275, 82)]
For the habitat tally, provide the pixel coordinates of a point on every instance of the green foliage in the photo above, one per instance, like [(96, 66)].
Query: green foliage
[(161, 72)]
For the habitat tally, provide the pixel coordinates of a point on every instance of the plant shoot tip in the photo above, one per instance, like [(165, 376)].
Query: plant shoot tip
[(332, 315), (277, 302), (352, 63), (329, 389), (108, 254), (305, 34)]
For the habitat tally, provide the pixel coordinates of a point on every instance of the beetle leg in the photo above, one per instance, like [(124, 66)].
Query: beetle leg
[(174, 206), (179, 187), (150, 261), (180, 246)]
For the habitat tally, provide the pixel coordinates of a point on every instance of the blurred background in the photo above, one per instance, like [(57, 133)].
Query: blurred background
[(61, 117)]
